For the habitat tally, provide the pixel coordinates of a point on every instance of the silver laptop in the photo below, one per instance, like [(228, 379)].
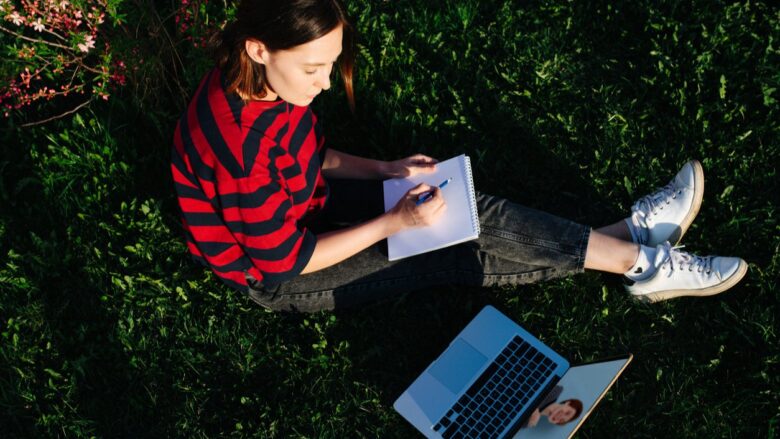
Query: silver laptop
[(497, 380)]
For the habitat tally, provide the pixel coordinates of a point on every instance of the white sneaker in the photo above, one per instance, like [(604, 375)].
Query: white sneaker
[(666, 214), (682, 274)]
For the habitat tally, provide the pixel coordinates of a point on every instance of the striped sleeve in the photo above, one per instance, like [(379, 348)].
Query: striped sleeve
[(208, 238), (259, 213)]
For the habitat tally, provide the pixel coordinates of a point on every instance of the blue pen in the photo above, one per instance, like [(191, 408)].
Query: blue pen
[(428, 195)]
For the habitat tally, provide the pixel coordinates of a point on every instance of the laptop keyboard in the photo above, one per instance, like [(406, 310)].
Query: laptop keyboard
[(490, 404)]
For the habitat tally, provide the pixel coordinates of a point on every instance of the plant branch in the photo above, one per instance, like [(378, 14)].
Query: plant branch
[(55, 34), (77, 108), (34, 40)]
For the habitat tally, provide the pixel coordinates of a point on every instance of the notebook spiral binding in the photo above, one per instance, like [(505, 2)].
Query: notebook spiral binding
[(472, 196)]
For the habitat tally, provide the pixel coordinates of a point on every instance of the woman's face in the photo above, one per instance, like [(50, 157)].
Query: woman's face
[(299, 74), (561, 413)]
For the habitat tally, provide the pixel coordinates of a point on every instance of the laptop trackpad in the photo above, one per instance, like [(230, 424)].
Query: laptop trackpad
[(458, 365)]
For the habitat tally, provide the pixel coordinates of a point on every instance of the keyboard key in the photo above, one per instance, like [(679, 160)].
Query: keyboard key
[(523, 351), (450, 432), (480, 382)]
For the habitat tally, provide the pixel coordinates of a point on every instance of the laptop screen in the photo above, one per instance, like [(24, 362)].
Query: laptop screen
[(575, 396)]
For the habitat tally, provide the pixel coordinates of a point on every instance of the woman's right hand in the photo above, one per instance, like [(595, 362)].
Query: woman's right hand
[(410, 215)]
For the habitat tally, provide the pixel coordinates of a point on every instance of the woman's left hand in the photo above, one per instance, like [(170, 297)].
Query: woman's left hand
[(409, 166)]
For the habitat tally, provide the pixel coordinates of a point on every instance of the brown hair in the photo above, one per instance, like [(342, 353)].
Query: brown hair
[(576, 404), (280, 25)]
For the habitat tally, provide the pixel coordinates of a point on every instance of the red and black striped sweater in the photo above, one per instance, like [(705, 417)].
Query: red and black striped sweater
[(247, 177)]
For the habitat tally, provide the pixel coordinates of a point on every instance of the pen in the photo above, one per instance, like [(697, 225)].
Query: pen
[(428, 195)]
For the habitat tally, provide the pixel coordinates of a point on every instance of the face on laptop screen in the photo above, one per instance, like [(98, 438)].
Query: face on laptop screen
[(569, 403)]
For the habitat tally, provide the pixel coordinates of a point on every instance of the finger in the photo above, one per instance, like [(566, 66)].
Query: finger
[(436, 199), (420, 188), (422, 158), (431, 198), (441, 209), (423, 162), (425, 167)]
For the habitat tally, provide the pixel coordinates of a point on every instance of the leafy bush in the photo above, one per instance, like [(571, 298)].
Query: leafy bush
[(55, 48)]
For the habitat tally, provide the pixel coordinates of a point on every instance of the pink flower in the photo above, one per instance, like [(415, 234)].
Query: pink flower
[(38, 26), (16, 18), (88, 44)]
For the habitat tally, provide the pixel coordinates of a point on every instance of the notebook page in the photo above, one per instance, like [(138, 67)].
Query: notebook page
[(457, 223)]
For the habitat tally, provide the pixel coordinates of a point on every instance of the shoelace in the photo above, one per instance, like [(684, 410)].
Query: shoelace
[(682, 260), (650, 204)]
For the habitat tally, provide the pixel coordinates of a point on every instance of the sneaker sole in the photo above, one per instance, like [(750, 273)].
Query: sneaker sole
[(711, 291), (698, 195)]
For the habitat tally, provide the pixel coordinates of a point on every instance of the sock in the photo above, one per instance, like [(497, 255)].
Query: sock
[(643, 267)]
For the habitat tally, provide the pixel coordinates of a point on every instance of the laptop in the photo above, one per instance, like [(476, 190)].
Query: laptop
[(494, 376)]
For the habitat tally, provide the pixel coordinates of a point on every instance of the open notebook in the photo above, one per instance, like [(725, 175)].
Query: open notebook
[(459, 223)]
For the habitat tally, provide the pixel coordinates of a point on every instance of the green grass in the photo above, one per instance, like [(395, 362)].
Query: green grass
[(107, 329)]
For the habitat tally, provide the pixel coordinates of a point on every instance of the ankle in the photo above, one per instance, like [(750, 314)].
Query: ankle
[(643, 266)]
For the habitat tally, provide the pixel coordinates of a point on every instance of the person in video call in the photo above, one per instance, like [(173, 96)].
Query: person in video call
[(558, 413), (278, 213)]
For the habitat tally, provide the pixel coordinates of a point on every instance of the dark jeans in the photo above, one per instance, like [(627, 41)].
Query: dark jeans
[(517, 245)]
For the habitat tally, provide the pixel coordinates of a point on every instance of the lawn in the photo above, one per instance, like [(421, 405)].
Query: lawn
[(108, 329)]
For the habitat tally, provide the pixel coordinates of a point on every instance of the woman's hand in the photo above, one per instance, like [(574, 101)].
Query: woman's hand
[(335, 246), (409, 166), (534, 419), (408, 214)]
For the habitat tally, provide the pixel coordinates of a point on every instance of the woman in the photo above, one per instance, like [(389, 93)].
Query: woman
[(558, 413), (299, 226)]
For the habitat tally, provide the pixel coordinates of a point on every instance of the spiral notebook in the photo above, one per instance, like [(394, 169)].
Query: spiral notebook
[(459, 223)]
